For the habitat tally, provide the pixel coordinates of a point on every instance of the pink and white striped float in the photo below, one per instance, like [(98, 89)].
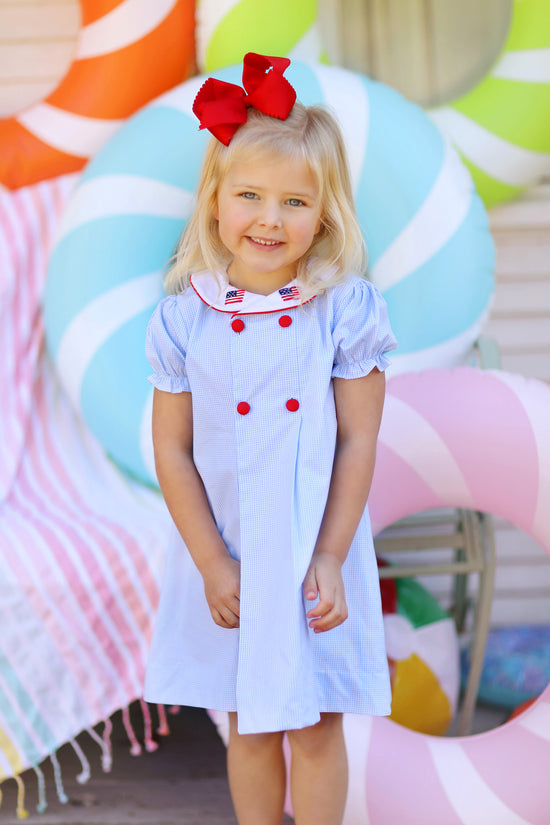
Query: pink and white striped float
[(480, 440), (473, 439)]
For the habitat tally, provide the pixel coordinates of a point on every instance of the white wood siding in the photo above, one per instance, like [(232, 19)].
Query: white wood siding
[(520, 318)]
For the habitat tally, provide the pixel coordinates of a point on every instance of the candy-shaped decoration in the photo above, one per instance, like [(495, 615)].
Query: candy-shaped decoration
[(430, 249), (111, 76), (501, 125)]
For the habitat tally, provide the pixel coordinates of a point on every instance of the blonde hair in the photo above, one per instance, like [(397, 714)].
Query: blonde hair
[(312, 134)]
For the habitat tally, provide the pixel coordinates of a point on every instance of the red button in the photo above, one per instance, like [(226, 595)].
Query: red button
[(237, 325), (285, 321), (243, 408), (292, 404)]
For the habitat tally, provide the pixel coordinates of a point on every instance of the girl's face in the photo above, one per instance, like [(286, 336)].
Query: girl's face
[(268, 213)]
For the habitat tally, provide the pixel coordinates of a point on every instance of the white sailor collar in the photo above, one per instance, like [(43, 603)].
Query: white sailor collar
[(223, 297)]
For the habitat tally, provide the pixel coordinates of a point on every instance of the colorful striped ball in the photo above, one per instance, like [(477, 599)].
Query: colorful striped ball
[(430, 249), (422, 650)]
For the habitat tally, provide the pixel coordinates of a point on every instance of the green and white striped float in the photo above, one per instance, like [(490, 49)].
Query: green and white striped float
[(501, 127), (228, 29)]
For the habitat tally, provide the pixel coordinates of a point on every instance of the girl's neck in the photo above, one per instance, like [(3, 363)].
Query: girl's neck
[(263, 285)]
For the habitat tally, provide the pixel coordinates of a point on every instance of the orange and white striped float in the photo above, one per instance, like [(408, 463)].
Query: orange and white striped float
[(128, 52)]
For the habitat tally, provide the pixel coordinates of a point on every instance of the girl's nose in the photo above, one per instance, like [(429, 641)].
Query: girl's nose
[(271, 216)]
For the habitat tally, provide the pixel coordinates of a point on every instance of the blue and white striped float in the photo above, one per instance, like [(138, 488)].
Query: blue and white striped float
[(430, 249)]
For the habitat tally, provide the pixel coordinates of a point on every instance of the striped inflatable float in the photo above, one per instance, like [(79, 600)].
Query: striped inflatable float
[(226, 31), (459, 438), (430, 248), (463, 438), (501, 126), (110, 78)]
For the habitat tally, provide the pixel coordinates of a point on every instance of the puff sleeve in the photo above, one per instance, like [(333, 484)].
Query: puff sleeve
[(362, 334), (165, 347)]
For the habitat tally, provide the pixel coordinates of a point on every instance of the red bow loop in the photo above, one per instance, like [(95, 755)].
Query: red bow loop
[(268, 91), (220, 108)]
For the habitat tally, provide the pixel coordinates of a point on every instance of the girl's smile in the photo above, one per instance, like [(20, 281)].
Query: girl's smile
[(268, 213), (264, 242)]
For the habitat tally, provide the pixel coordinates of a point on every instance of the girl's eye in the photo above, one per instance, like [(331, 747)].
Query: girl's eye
[(248, 195), (295, 202)]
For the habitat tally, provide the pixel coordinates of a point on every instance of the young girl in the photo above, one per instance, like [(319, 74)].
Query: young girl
[(268, 366)]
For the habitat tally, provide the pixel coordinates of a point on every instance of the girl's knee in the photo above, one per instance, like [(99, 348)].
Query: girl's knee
[(316, 738), (254, 742)]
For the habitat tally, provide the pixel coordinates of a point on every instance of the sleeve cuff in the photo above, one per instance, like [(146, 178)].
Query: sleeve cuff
[(167, 383), (358, 369)]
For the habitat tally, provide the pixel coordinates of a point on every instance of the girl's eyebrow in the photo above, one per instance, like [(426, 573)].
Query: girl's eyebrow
[(289, 194)]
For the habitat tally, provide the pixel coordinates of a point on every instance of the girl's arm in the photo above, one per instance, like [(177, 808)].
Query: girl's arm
[(359, 403), (186, 500)]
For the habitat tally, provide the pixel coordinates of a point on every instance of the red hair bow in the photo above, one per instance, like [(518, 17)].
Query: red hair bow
[(221, 107)]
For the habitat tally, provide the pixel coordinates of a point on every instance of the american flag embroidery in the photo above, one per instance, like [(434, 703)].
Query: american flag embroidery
[(234, 296), (289, 293)]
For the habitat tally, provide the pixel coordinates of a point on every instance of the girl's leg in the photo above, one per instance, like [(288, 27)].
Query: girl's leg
[(319, 772), (257, 775)]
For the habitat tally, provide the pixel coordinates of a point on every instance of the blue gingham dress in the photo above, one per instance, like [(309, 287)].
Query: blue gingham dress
[(266, 473)]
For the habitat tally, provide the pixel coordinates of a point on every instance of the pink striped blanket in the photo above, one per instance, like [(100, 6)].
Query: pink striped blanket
[(81, 546)]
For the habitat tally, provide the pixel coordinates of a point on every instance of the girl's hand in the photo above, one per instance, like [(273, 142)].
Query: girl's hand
[(324, 580), (222, 587)]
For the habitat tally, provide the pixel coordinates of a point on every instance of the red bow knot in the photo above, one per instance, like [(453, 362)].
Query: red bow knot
[(221, 107)]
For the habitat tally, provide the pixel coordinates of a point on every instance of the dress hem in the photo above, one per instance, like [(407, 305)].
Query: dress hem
[(229, 707)]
